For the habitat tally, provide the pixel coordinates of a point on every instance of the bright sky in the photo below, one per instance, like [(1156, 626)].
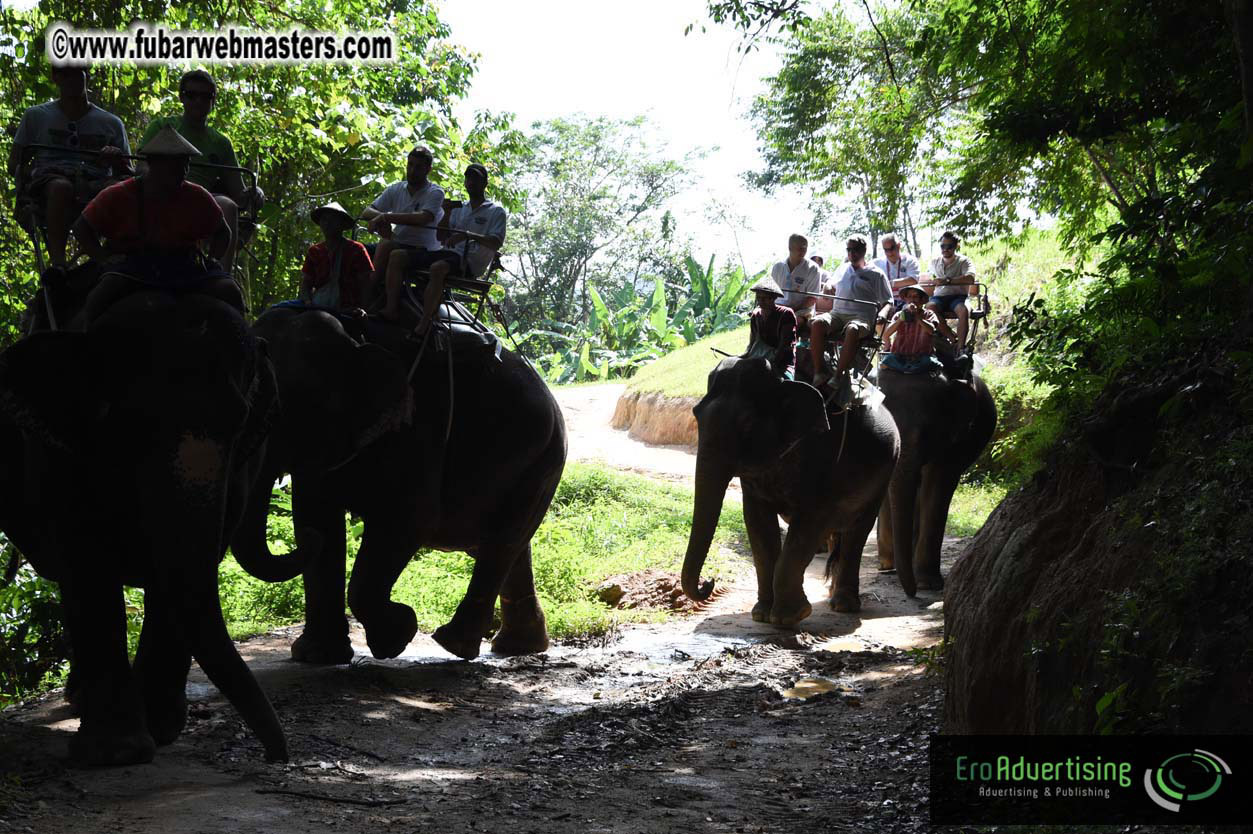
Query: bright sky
[(546, 58)]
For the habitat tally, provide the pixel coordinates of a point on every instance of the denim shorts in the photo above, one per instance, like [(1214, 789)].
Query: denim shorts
[(947, 303)]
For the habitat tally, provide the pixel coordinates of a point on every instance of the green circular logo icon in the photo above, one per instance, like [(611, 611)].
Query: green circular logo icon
[(1185, 777)]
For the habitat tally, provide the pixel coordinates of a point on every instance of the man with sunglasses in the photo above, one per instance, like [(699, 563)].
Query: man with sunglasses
[(901, 267), (952, 275), (198, 92), (60, 183), (845, 319)]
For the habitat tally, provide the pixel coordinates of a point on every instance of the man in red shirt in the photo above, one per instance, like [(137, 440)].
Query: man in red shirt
[(158, 216), (337, 271)]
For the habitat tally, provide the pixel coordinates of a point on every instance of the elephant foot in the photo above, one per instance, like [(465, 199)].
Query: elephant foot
[(388, 634), (166, 717), (523, 629), (323, 651), (98, 748), (465, 645), (846, 602), (789, 616), (761, 612), (930, 582)]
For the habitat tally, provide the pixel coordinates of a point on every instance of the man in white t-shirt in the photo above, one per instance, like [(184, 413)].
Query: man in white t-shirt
[(796, 276), (846, 319), (952, 275), (901, 267), (62, 182), (478, 232), (414, 207)]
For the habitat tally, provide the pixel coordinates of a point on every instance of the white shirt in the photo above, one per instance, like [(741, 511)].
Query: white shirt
[(397, 200), (804, 277), (866, 284), (487, 220), (906, 267), (47, 124)]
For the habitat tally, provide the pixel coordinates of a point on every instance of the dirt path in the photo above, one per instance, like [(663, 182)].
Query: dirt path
[(705, 723)]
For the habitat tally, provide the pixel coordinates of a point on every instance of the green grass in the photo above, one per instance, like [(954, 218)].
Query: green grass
[(601, 523), (684, 372), (971, 506)]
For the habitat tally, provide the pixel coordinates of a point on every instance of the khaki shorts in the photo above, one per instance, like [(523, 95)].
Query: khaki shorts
[(837, 322)]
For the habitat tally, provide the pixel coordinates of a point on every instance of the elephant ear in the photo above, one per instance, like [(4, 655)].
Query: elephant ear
[(802, 411), (381, 388), (48, 388), (262, 401)]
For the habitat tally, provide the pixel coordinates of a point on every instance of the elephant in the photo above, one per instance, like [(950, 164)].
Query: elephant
[(356, 435), (826, 476), (945, 423), (127, 449)]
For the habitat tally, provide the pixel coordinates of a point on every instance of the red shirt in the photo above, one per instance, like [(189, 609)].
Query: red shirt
[(191, 215), (354, 270), (913, 338)]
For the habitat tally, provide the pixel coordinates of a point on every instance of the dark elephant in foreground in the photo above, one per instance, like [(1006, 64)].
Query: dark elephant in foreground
[(825, 476), (127, 450), (944, 425), (357, 436)]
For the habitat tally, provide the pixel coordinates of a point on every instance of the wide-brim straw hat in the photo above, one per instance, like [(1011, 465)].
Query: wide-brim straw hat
[(169, 142), (335, 208), (919, 287), (768, 285)]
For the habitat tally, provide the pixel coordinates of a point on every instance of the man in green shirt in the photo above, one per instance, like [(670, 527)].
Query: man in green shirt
[(197, 91)]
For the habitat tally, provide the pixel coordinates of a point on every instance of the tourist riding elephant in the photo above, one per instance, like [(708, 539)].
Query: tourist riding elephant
[(357, 437), (127, 449), (944, 425), (825, 476)]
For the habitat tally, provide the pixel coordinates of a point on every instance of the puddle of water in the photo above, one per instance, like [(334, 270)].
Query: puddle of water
[(843, 644)]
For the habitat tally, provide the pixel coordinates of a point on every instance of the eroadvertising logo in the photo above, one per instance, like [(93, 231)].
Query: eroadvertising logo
[(1192, 776), (1017, 780)]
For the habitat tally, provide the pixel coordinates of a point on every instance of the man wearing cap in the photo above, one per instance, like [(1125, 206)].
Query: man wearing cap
[(336, 272), (796, 276), (158, 216), (414, 206), (952, 276), (198, 92), (911, 335), (771, 328), (901, 267), (61, 182), (846, 318)]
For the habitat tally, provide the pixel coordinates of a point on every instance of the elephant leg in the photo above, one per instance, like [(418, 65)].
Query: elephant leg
[(522, 626), (112, 730), (325, 635), (161, 665), (887, 557), (387, 544), (938, 485), (790, 603), (846, 587), (762, 523), (464, 633)]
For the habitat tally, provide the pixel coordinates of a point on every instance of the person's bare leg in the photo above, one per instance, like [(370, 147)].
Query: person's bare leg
[(963, 325), (382, 253), (58, 208), (817, 343), (944, 328), (434, 293), (848, 350), (396, 263), (231, 212)]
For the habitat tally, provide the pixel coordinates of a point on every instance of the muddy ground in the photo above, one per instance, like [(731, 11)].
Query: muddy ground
[(708, 722)]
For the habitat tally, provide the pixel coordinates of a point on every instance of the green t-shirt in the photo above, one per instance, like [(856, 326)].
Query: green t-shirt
[(213, 146)]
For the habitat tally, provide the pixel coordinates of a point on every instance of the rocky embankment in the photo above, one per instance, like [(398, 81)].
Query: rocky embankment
[(1111, 593), (655, 418)]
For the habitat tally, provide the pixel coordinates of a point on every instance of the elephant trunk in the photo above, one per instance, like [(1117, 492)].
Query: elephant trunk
[(903, 495), (711, 488), (250, 543)]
